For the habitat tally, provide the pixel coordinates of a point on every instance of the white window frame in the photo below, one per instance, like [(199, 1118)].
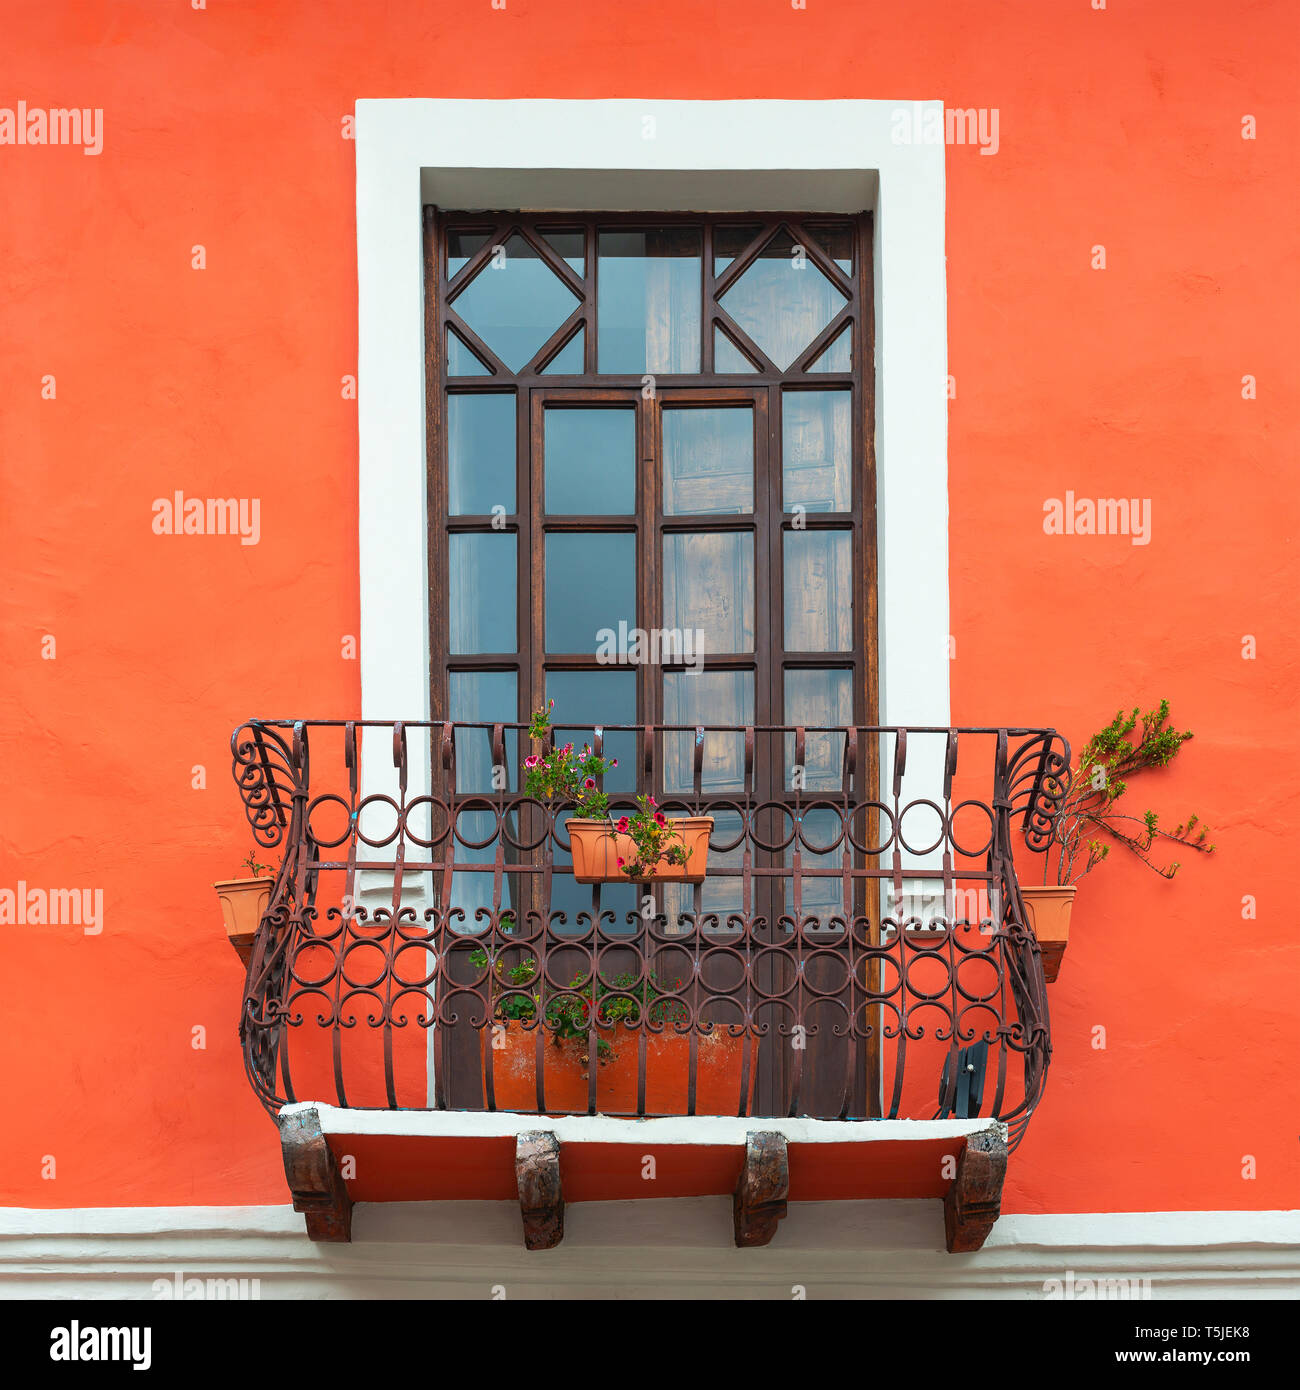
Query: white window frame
[(751, 156)]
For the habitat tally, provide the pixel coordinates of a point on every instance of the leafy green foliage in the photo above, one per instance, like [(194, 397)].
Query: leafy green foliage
[(1088, 823), (561, 774), (654, 837), (255, 869), (568, 1012), (564, 775)]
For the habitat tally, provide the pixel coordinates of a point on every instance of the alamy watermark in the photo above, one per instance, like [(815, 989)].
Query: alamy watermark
[(921, 123), (1106, 516), (179, 515), (57, 125), (1078, 1287), (928, 905), (656, 646), (180, 1289), (53, 907), (76, 1343)]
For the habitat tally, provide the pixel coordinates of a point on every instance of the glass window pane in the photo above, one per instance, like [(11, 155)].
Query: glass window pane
[(709, 589), (783, 301), (480, 453), (727, 357), (816, 450), (568, 361), (708, 460), (481, 593), (839, 356), (590, 590), (515, 302), (590, 461), (823, 698), (460, 360), (707, 697), (480, 697), (818, 591), (648, 301)]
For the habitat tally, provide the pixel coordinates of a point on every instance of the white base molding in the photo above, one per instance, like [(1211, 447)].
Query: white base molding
[(669, 1248)]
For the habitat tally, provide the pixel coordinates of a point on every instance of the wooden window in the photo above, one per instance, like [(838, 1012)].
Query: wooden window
[(655, 423)]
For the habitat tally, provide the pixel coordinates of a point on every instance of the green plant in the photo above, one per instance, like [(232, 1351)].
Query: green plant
[(654, 837), (568, 776), (564, 775), (257, 870), (568, 1013), (1088, 821)]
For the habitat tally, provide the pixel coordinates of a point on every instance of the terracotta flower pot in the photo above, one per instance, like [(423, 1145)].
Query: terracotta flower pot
[(597, 848), (243, 900), (1048, 908), (514, 1071)]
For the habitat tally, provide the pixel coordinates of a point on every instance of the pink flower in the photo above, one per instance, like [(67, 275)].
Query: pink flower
[(660, 818), (652, 801), (532, 760), (590, 782), (621, 827), (614, 763), (620, 862)]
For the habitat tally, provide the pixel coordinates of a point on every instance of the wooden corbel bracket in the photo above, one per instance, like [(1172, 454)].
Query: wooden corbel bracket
[(764, 1186), (313, 1175), (541, 1195), (974, 1201)]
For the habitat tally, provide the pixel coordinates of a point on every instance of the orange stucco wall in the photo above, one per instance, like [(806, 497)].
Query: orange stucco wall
[(222, 128)]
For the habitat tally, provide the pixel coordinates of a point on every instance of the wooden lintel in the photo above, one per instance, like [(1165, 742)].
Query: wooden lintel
[(764, 1186), (318, 1190), (541, 1196), (974, 1201)]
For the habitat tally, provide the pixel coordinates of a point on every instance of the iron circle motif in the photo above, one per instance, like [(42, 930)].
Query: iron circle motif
[(325, 841), (362, 949), (865, 808), (378, 799), (807, 811), (515, 809), (922, 803), (971, 851), (719, 809), (477, 806), (434, 803), (753, 819)]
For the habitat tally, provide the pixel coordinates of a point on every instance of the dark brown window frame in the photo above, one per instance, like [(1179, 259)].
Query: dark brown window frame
[(703, 387)]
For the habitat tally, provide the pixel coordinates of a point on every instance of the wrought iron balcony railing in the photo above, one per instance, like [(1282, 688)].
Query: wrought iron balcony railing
[(858, 949)]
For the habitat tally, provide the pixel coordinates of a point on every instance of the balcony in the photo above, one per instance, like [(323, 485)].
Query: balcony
[(850, 997)]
